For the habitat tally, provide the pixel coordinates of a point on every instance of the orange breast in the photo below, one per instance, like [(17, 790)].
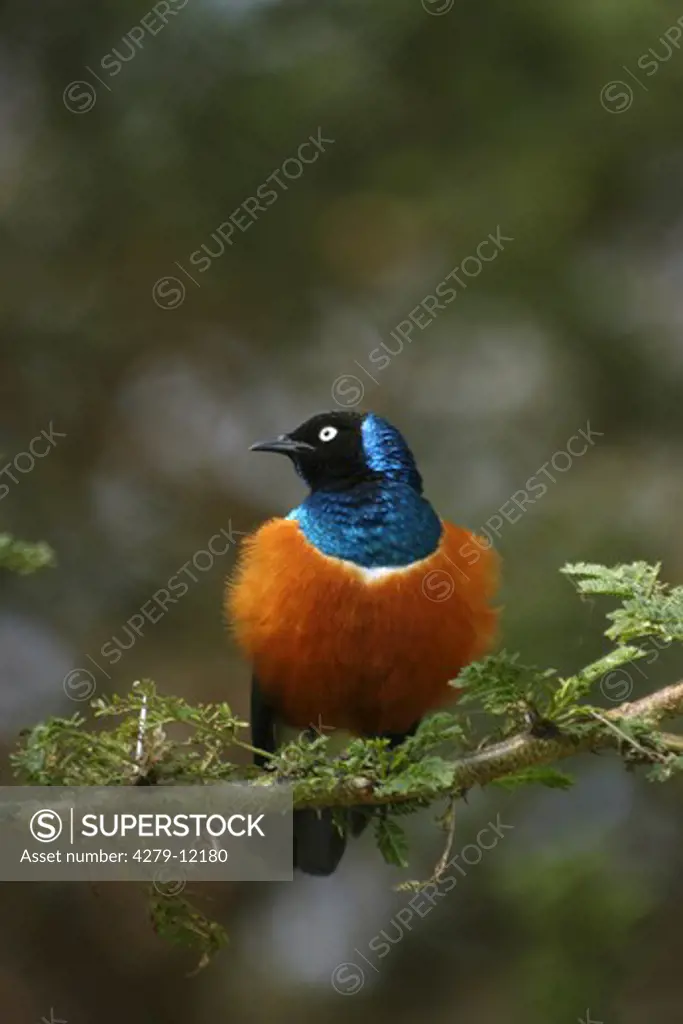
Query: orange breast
[(368, 651)]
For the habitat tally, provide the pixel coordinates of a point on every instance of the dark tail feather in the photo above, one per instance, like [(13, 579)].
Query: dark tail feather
[(318, 844), (359, 819)]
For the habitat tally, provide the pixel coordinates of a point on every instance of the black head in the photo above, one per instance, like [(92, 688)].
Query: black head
[(337, 450)]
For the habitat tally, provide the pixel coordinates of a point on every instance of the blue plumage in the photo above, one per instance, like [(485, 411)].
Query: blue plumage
[(382, 522), (387, 453)]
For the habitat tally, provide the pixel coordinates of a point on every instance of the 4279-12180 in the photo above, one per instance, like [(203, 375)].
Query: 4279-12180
[(193, 856)]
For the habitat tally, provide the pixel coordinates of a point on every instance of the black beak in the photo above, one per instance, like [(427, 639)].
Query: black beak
[(284, 444)]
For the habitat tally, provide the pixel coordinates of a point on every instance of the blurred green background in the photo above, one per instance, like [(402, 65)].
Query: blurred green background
[(130, 135)]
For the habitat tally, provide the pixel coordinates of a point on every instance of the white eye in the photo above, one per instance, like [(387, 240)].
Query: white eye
[(328, 433)]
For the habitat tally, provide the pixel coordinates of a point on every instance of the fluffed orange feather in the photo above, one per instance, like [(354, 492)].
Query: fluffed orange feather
[(334, 646)]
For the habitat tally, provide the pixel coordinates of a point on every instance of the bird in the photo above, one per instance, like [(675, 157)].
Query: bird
[(358, 607)]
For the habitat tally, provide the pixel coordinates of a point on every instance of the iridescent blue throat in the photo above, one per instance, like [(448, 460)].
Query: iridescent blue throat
[(382, 523)]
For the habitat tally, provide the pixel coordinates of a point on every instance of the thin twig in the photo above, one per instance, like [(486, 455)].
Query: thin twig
[(624, 737), (450, 836), (142, 726)]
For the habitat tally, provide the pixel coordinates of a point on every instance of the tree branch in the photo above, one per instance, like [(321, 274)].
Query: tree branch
[(516, 754)]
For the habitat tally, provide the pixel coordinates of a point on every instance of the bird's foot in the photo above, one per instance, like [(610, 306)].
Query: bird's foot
[(539, 727)]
